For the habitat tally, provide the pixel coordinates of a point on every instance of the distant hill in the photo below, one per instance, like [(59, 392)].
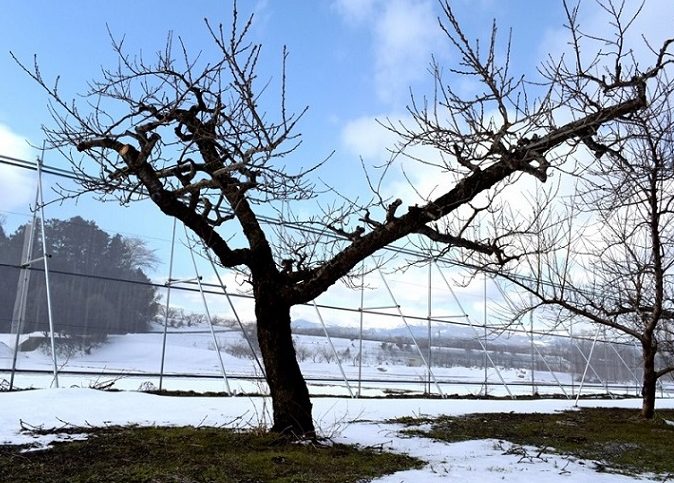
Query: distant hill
[(445, 331), (305, 324)]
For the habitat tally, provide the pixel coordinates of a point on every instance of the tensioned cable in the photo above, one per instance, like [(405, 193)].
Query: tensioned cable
[(217, 290), (60, 172), (303, 227)]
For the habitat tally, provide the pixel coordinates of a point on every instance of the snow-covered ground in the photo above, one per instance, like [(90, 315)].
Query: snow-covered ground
[(356, 421), (344, 420)]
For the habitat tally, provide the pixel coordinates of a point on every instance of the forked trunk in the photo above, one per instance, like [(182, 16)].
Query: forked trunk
[(650, 380), (289, 393)]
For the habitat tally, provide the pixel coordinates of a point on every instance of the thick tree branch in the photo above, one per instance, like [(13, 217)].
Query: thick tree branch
[(416, 219), (167, 200)]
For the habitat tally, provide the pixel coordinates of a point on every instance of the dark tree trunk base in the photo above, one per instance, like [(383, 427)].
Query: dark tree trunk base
[(650, 381), (288, 389)]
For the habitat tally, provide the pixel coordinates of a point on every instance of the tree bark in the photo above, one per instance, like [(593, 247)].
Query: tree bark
[(290, 396), (650, 380)]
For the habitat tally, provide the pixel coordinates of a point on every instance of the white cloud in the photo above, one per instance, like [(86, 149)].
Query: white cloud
[(17, 186), (653, 24), (407, 179), (355, 11), (404, 35), (366, 137)]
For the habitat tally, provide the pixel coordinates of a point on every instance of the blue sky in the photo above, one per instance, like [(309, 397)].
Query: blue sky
[(351, 61)]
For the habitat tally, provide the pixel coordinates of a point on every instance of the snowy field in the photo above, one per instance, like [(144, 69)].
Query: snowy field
[(137, 357), (344, 420), (133, 361)]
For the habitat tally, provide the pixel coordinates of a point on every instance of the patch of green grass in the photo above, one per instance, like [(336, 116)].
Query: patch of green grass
[(619, 438), (188, 455)]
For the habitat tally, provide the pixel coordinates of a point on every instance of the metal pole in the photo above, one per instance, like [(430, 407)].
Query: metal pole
[(430, 308), (624, 362), (46, 269), (533, 355), (587, 365), (606, 365), (208, 317), (491, 361), (334, 351), (484, 359), (573, 360), (540, 355), (636, 364), (22, 291), (236, 314), (168, 300), (360, 330), (409, 329)]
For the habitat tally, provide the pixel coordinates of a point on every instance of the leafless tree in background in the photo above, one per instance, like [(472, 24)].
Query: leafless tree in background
[(195, 139), (612, 262)]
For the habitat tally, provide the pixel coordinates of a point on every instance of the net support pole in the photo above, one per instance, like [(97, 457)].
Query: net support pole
[(429, 314), (236, 314), (334, 351), (360, 330), (168, 307), (409, 329), (50, 316), (484, 359), (477, 333), (19, 312), (587, 365), (210, 321)]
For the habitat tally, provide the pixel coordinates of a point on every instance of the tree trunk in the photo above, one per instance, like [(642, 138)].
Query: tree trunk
[(289, 393), (649, 382)]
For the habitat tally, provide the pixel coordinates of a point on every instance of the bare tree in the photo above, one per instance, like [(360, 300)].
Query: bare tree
[(617, 266), (192, 137), (611, 260)]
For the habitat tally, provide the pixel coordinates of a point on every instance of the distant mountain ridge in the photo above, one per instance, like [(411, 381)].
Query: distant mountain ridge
[(401, 331)]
